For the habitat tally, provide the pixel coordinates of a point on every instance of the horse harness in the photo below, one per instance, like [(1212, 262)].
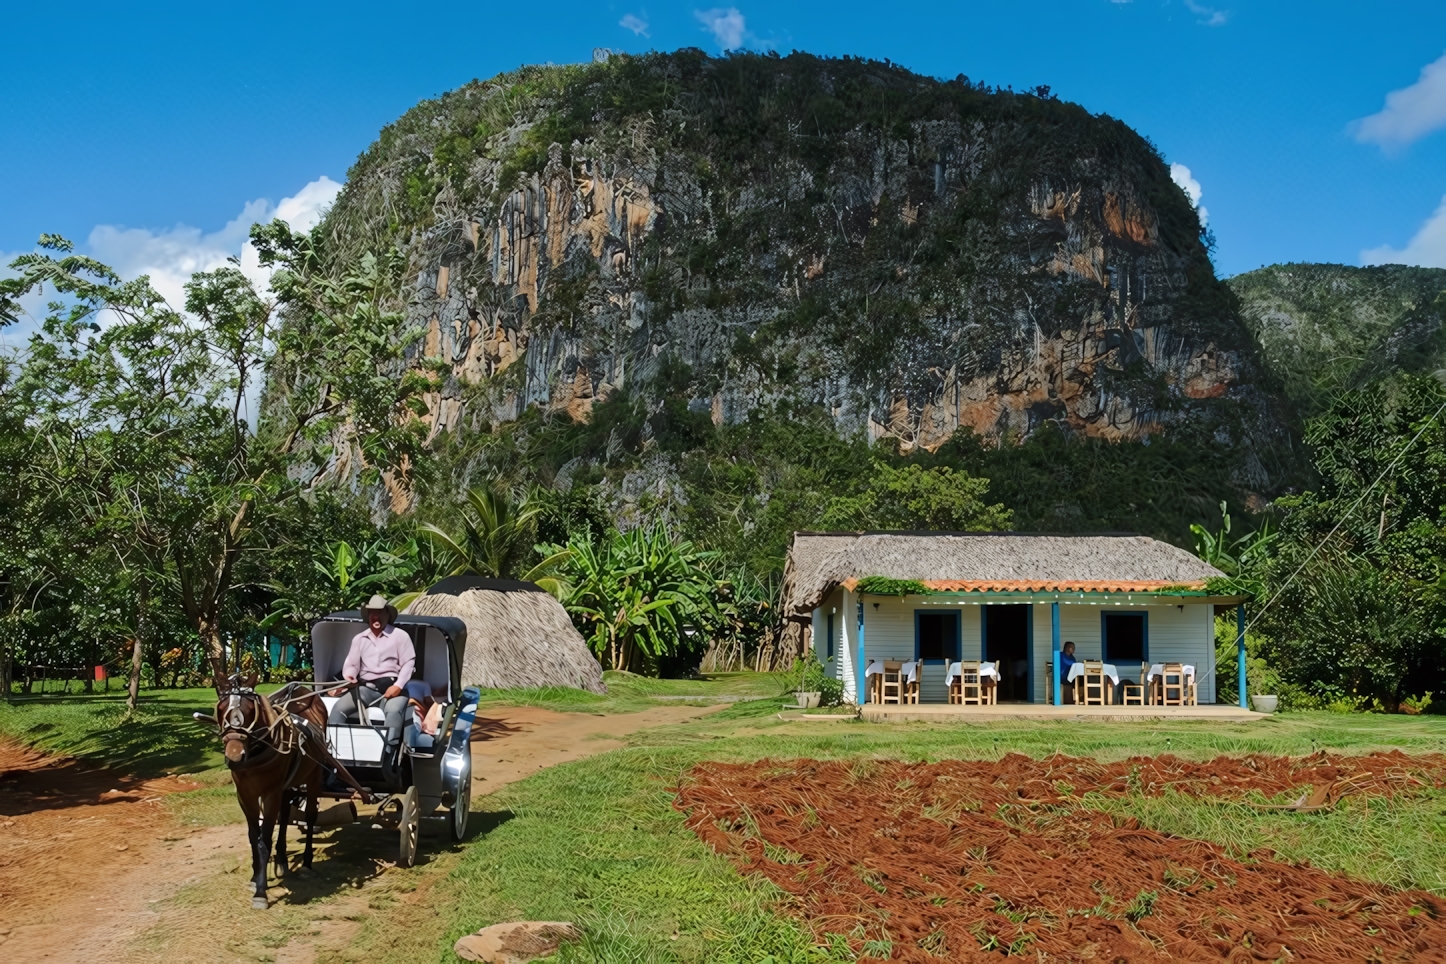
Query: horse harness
[(284, 734)]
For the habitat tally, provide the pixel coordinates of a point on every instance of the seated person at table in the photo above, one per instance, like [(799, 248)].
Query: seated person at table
[(1066, 660)]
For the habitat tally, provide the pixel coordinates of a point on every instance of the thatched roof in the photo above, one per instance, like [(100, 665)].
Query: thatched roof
[(985, 562), (518, 637)]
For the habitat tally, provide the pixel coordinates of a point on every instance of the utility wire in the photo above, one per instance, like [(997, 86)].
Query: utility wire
[(1384, 472)]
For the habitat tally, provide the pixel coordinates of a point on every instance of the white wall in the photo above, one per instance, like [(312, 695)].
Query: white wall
[(1176, 635)]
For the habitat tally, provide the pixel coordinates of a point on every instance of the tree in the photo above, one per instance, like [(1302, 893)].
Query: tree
[(165, 447), (913, 497), (1355, 589), (632, 595), (497, 539)]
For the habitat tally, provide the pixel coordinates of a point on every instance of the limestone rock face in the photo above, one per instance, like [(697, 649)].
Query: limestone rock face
[(517, 942), (913, 256)]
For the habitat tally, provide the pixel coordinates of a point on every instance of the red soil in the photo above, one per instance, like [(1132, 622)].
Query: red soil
[(968, 859)]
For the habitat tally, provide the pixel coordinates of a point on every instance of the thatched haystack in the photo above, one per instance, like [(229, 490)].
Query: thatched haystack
[(518, 637)]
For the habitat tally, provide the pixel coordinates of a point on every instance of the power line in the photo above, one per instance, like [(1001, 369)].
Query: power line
[(1384, 472)]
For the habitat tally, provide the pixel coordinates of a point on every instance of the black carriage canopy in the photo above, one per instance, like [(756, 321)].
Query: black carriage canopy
[(440, 642)]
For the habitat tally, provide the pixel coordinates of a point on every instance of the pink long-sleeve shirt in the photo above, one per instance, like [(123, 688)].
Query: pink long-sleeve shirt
[(375, 657)]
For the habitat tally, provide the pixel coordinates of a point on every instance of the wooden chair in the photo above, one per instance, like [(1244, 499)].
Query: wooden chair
[(891, 684), (1172, 685), (911, 686), (967, 688), (1135, 694), (1190, 690), (1089, 687)]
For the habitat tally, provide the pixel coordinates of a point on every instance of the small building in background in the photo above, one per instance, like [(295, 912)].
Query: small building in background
[(1008, 598)]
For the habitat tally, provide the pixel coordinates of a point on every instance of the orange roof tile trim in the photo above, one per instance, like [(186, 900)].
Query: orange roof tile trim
[(1044, 585)]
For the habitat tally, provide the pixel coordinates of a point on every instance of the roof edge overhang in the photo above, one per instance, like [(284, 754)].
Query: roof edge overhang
[(1104, 592), (1049, 585)]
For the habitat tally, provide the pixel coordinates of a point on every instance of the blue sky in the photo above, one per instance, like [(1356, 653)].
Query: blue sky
[(154, 133)]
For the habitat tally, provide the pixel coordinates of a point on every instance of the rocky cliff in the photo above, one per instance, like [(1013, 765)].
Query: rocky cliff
[(912, 256)]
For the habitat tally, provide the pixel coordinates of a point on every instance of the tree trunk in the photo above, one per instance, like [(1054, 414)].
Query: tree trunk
[(215, 651), (142, 604)]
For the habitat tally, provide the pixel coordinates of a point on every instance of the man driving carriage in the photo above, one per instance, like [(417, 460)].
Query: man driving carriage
[(381, 660)]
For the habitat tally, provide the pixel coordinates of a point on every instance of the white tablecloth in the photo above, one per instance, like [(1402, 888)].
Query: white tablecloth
[(1159, 670), (1078, 669), (985, 669), (906, 672)]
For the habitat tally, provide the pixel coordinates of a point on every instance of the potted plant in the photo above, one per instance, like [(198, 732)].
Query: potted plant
[(1265, 704), (809, 690)]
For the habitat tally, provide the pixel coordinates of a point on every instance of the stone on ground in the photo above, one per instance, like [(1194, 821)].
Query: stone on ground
[(516, 942)]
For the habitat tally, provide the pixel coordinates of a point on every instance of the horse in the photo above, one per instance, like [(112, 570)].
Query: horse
[(272, 747)]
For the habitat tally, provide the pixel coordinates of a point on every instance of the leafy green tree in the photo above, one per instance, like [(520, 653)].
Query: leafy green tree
[(1352, 596), (155, 402), (915, 497), (496, 539), (632, 595)]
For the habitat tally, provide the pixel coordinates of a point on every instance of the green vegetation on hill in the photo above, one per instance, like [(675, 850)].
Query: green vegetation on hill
[(1329, 328)]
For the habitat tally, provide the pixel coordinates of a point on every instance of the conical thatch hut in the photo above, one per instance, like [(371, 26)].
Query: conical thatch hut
[(518, 636)]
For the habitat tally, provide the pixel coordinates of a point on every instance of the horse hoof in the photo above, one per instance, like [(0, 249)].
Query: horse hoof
[(258, 903)]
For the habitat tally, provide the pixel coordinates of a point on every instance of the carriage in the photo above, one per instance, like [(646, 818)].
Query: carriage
[(430, 776)]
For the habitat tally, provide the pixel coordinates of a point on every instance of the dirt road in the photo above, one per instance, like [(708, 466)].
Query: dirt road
[(88, 856)]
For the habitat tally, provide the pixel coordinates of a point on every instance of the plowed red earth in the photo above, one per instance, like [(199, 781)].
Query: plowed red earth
[(972, 859)]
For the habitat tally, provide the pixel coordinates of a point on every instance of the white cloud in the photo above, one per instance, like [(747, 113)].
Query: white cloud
[(1210, 17), (1410, 113), (726, 25), (170, 257), (1427, 249), (638, 25), (1181, 175)]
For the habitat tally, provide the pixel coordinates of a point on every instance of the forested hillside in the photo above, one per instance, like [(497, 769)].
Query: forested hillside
[(1328, 328), (709, 284)]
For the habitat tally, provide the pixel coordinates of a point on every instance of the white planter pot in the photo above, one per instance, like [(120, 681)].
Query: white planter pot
[(1265, 704), (808, 700)]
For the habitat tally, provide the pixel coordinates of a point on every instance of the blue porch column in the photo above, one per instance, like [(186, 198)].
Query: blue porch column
[(862, 684), (1057, 686), (1240, 650)]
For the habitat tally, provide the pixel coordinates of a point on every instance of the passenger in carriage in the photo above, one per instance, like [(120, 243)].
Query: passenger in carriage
[(382, 659)]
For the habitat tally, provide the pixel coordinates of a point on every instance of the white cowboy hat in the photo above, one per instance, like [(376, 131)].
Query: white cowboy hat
[(379, 603)]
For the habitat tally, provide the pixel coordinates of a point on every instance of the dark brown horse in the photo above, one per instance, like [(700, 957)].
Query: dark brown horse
[(276, 750)]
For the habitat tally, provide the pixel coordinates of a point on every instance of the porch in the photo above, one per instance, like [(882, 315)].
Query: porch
[(947, 713)]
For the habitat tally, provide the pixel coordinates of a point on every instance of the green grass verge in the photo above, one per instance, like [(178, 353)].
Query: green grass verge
[(629, 693), (159, 738)]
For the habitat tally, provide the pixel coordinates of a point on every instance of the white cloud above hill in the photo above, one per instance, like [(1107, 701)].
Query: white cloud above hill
[(1427, 249), (171, 256), (1181, 175), (727, 26), (1410, 113)]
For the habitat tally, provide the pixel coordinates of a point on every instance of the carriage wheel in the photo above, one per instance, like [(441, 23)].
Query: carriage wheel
[(410, 827), (463, 803)]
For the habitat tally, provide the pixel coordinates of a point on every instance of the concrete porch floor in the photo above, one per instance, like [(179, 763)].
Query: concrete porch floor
[(950, 713)]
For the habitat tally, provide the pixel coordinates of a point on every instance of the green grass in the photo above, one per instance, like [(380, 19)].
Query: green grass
[(628, 693), (159, 738)]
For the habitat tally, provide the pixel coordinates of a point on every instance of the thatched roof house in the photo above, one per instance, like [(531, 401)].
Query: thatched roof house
[(819, 562), (518, 636), (1008, 598)]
